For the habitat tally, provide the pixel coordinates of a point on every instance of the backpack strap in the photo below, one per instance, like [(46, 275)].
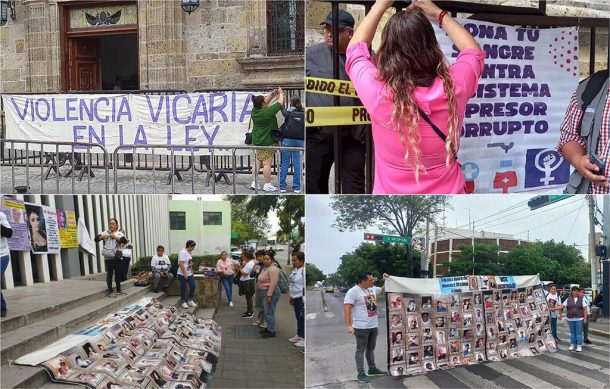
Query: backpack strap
[(437, 130), (589, 97)]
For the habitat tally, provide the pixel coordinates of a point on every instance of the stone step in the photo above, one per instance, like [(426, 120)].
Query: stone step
[(24, 340), (14, 321)]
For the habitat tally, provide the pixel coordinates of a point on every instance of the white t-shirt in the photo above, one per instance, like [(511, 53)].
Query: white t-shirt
[(554, 301), (247, 269), (584, 305), (296, 282), (187, 258), (4, 250), (364, 302), (160, 263)]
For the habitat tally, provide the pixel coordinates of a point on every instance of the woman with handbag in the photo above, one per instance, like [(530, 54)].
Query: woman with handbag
[(112, 254), (225, 267), (264, 122), (415, 100)]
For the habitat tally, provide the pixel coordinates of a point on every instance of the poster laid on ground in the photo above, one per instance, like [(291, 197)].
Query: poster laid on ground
[(42, 228), (66, 223), (453, 321), (144, 345), (15, 213), (511, 125), (199, 119)]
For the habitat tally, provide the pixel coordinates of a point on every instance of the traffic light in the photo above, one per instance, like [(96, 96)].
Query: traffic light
[(538, 201), (373, 237)]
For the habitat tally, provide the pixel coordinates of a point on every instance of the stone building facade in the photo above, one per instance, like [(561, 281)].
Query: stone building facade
[(317, 11), (223, 45)]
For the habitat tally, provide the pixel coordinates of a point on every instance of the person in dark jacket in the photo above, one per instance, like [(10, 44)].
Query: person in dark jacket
[(294, 135)]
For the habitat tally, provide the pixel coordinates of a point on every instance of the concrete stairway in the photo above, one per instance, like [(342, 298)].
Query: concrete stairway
[(53, 313)]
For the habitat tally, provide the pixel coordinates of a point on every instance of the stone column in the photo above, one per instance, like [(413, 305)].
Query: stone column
[(256, 16), (162, 59), (42, 45)]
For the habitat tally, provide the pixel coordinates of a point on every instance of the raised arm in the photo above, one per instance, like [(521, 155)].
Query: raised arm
[(458, 34), (366, 30), (281, 97)]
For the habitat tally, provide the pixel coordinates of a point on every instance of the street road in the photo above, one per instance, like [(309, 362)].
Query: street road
[(330, 359)]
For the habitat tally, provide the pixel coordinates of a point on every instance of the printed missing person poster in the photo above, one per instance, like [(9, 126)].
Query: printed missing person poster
[(144, 345), (42, 229), (446, 322), (511, 125), (66, 223), (15, 213)]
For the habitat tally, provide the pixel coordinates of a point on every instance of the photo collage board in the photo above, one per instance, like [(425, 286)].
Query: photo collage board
[(427, 332), (155, 346)]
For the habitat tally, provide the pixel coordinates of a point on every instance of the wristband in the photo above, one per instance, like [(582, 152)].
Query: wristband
[(440, 18)]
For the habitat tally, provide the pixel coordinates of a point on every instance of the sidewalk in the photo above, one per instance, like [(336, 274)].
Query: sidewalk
[(249, 361)]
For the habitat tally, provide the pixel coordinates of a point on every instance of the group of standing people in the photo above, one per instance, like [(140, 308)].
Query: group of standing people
[(264, 125), (117, 253), (578, 310), (260, 276)]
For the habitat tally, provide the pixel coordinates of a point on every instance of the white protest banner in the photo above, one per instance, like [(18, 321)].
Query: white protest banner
[(511, 125), (84, 239), (199, 119), (455, 321), (43, 229)]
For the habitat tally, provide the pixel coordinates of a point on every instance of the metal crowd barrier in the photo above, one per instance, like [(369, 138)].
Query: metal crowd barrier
[(52, 158), (212, 170)]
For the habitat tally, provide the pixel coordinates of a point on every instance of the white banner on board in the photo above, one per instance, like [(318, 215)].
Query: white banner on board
[(511, 125), (199, 119)]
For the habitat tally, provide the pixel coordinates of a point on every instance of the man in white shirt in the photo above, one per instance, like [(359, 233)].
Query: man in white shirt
[(360, 313), (6, 231), (585, 325), (248, 284), (160, 265)]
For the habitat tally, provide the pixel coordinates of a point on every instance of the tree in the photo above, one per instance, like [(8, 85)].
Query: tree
[(313, 274), (247, 224), (487, 260), (398, 215)]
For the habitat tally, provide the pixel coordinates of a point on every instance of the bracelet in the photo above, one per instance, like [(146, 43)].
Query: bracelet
[(440, 18)]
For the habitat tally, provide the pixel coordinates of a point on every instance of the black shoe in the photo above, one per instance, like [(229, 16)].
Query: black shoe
[(3, 313), (587, 341), (247, 315), (268, 334), (155, 290), (164, 289)]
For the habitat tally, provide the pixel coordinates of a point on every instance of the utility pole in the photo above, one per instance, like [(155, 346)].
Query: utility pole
[(427, 249), (592, 243), (435, 249), (472, 243)]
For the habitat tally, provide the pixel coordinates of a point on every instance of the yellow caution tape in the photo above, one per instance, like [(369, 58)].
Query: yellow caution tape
[(329, 86), (336, 116)]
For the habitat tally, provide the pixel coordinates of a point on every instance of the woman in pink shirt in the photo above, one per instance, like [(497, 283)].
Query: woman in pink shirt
[(408, 83), (225, 267), (267, 283)]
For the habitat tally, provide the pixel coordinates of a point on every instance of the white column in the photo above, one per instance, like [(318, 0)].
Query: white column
[(9, 282), (90, 222), (25, 262), (42, 260), (97, 227), (55, 259), (84, 257)]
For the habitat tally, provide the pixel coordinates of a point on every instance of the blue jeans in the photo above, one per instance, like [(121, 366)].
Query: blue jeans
[(296, 161), (5, 260), (575, 332), (191, 282), (554, 327), (270, 307), (299, 312), (227, 282)]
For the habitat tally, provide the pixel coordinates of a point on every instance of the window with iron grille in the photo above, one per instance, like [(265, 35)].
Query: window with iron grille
[(177, 220), (285, 32), (212, 218)]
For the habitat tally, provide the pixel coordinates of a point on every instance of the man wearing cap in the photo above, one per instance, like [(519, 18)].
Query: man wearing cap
[(320, 146)]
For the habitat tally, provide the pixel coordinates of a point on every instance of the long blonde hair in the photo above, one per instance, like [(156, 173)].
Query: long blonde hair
[(409, 57)]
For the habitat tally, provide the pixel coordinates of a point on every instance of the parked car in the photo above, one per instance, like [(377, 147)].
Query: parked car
[(343, 289), (329, 289), (236, 253)]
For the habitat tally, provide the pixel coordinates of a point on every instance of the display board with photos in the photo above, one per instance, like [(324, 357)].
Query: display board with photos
[(151, 346), (446, 322)]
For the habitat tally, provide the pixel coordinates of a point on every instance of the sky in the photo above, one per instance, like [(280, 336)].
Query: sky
[(565, 221)]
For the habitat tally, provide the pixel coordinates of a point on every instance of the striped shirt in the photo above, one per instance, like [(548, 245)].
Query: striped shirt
[(570, 132)]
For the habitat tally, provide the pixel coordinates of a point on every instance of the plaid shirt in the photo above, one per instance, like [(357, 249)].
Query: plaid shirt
[(571, 132)]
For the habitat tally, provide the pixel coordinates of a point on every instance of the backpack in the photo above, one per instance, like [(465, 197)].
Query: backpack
[(283, 281), (294, 125), (589, 90), (143, 278)]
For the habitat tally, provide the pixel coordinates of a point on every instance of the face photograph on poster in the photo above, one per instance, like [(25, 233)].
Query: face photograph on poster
[(425, 319), (397, 355), (396, 321), (37, 228)]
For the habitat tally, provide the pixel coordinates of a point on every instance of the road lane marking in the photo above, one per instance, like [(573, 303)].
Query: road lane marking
[(519, 375), (311, 316)]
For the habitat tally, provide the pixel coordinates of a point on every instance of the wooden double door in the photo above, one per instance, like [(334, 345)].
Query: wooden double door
[(84, 64)]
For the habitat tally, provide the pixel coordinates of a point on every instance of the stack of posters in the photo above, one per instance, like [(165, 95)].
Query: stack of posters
[(446, 322), (142, 346)]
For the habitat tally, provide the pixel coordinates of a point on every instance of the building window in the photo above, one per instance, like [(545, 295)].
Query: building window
[(285, 32), (212, 218), (177, 220)]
